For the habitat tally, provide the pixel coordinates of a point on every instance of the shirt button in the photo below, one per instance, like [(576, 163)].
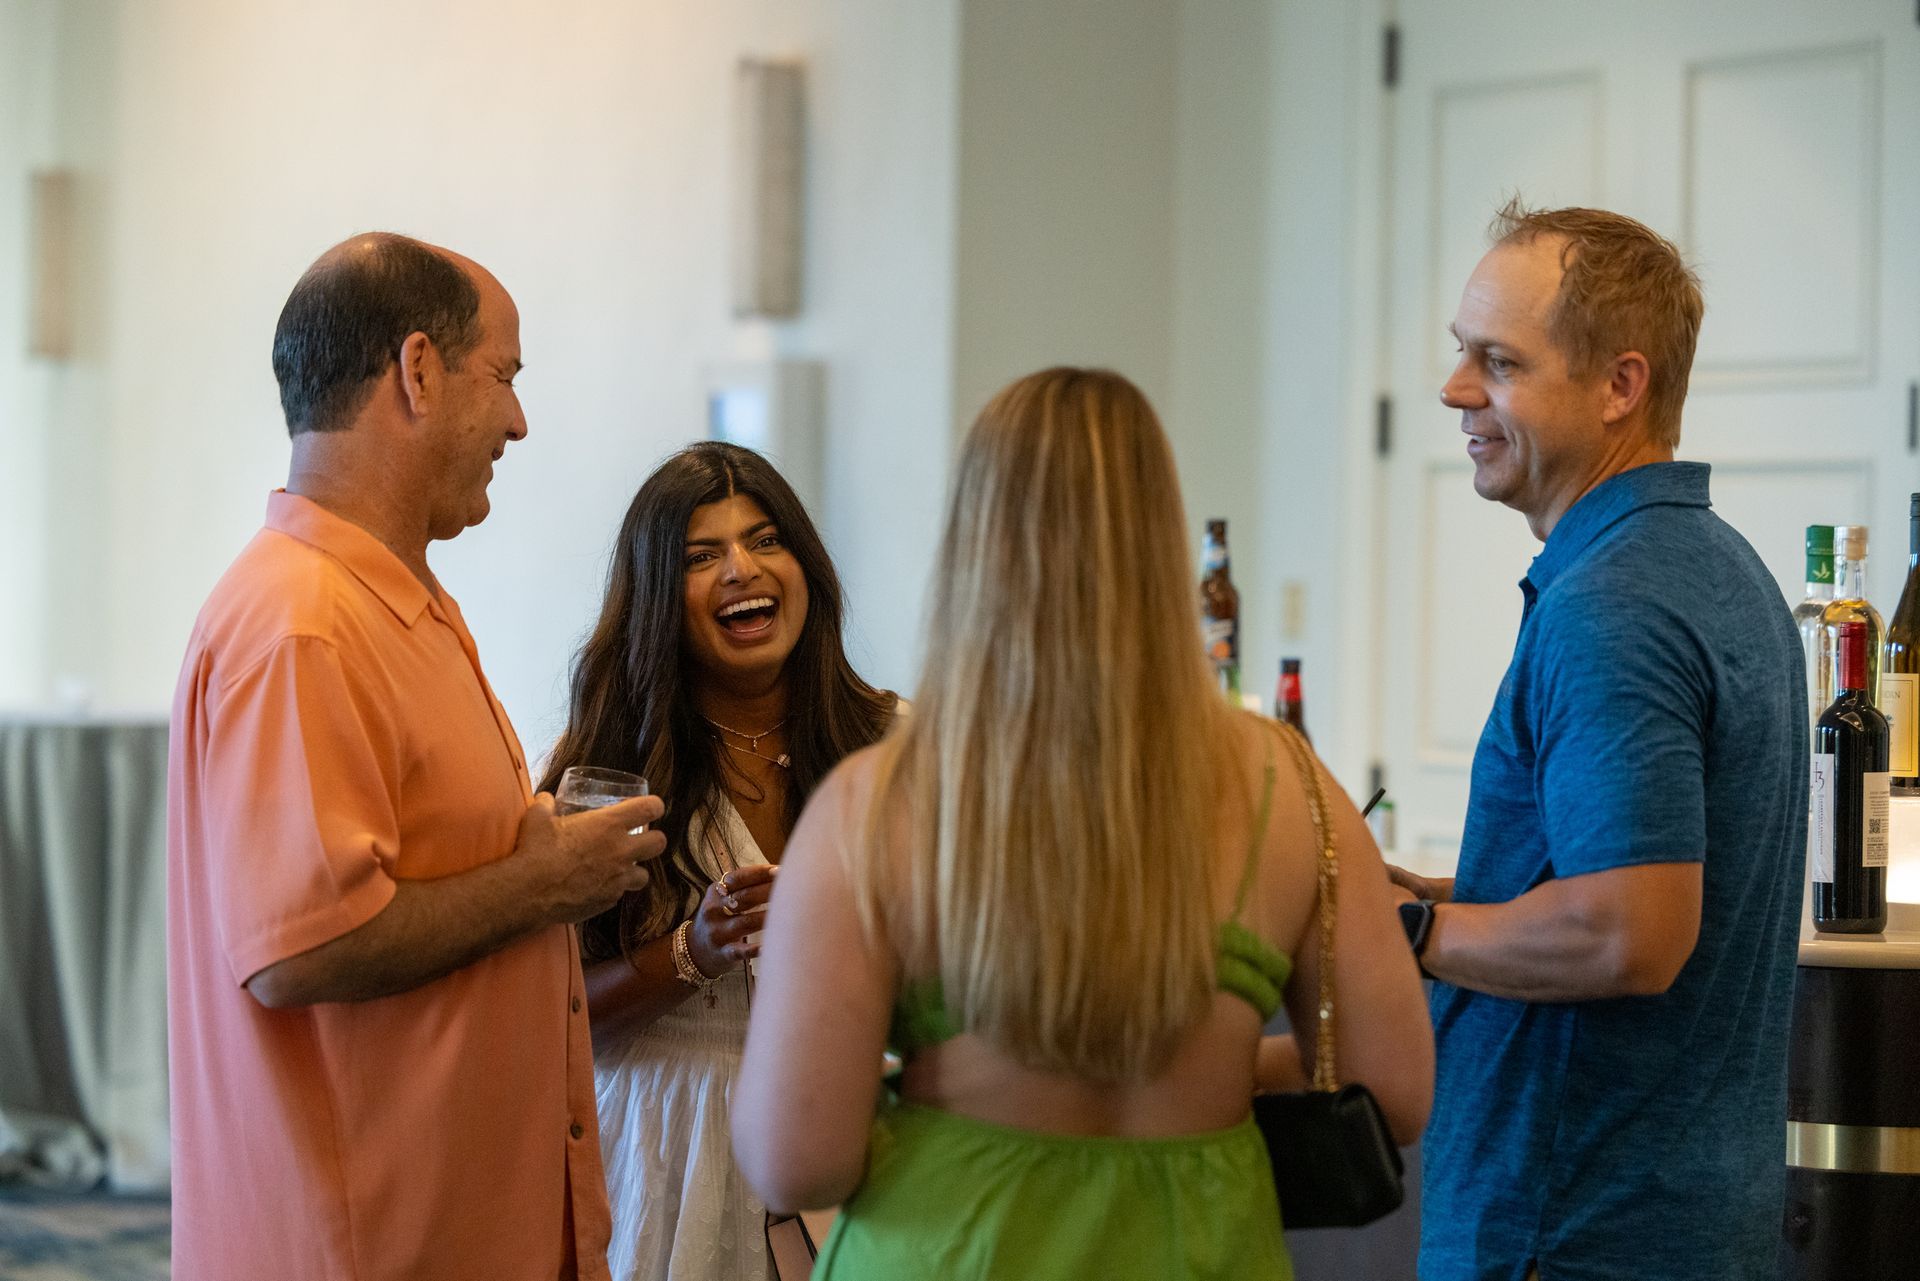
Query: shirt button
[(575, 1130), (576, 1005)]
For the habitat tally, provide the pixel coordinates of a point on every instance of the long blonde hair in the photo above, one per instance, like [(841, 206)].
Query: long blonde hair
[(1042, 829)]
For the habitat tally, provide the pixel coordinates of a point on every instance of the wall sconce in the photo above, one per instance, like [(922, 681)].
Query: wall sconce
[(769, 167), (50, 264)]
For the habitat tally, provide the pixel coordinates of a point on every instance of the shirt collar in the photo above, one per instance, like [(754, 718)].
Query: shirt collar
[(366, 557), (1609, 502)]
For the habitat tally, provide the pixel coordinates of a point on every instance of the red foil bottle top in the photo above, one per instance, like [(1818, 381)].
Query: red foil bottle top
[(1853, 655)]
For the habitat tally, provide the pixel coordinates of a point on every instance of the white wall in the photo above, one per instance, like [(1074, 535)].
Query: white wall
[(1064, 248), (580, 154), (1321, 280), (993, 185), (1270, 397), (26, 110), (1218, 407)]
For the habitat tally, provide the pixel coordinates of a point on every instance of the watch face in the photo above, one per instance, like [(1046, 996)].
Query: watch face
[(1416, 918)]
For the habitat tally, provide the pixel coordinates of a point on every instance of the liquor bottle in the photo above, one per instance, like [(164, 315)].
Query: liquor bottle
[(1815, 644), (1847, 821), (1220, 613), (1850, 604), (1287, 706), (1900, 669)]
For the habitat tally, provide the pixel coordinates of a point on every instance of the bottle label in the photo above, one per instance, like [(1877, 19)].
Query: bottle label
[(1820, 833), (1214, 557), (1222, 639), (1290, 687), (1900, 704), (1873, 819), (1819, 569)]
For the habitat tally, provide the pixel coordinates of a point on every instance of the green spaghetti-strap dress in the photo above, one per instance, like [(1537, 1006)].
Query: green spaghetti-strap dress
[(947, 1196)]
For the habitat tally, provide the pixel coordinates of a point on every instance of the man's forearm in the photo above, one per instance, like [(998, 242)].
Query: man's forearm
[(1541, 946), (426, 931)]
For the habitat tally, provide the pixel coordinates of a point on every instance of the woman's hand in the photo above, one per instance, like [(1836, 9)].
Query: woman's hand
[(733, 907)]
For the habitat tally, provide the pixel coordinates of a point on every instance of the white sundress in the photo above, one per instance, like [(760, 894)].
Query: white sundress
[(681, 1210)]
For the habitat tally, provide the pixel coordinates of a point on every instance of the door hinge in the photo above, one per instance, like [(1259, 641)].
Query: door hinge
[(1390, 55), (1383, 426), (1913, 417)]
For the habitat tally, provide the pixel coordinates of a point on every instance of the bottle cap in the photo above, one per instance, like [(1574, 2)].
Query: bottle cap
[(1850, 541), (1853, 654), (1820, 539)]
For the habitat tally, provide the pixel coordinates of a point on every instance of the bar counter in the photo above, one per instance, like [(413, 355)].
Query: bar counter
[(1853, 1103)]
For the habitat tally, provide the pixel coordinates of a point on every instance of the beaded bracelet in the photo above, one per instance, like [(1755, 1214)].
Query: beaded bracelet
[(683, 962)]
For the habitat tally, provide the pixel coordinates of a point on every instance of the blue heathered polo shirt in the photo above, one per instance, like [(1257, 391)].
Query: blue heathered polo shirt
[(1654, 711)]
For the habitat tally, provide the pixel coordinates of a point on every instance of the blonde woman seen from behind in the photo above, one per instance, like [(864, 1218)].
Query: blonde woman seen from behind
[(1069, 889)]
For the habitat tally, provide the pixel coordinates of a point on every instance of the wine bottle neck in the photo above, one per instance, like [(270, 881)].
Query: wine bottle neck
[(1851, 673), (1853, 580)]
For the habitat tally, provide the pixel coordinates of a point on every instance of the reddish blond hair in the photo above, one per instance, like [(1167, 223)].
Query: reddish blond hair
[(1624, 288)]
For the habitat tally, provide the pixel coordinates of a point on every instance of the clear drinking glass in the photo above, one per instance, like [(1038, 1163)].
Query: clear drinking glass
[(587, 787)]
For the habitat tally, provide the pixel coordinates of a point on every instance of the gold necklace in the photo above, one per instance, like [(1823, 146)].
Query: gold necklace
[(784, 761), (753, 740)]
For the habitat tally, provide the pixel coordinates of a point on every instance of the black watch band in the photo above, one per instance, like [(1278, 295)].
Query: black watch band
[(1416, 918)]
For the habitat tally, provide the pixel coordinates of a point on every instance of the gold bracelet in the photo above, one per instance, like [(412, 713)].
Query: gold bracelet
[(683, 963)]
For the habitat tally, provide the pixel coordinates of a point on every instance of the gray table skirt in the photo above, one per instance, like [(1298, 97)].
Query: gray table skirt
[(83, 1051)]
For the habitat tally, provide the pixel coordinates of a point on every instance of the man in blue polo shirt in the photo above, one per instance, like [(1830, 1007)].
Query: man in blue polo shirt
[(1614, 962)]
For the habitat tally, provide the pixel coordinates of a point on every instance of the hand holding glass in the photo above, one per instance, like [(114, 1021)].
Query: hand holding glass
[(587, 787)]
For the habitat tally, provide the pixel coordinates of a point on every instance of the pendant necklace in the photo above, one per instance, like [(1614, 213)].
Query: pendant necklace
[(784, 761)]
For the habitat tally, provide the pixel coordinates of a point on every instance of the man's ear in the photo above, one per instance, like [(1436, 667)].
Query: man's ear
[(1626, 389), (420, 373)]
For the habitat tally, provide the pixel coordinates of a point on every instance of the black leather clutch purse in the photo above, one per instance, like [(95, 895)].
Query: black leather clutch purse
[(1335, 1164)]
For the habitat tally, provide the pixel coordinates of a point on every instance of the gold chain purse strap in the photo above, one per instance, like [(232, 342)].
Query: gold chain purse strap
[(1325, 1075)]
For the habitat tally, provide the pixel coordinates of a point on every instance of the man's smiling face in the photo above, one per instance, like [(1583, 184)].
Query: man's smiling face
[(1534, 429)]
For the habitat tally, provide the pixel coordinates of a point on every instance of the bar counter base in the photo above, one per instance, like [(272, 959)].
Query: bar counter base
[(1852, 1210)]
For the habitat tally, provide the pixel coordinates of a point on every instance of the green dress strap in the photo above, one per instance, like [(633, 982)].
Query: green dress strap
[(1252, 862), (1247, 965)]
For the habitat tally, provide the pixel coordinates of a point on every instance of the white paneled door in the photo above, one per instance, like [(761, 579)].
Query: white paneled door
[(1778, 143)]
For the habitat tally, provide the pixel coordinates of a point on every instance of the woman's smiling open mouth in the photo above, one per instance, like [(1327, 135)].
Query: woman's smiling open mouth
[(748, 619)]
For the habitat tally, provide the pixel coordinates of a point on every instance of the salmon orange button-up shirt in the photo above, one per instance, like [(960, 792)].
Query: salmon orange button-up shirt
[(333, 734)]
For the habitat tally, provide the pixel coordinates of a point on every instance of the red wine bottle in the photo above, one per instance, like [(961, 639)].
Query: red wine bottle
[(1847, 822)]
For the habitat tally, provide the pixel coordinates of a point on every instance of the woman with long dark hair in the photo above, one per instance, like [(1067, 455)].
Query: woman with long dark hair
[(716, 670)]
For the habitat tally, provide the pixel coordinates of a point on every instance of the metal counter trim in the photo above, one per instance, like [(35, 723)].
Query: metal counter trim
[(1853, 1149)]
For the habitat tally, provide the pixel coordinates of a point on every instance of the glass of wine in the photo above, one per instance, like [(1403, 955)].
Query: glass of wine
[(588, 787)]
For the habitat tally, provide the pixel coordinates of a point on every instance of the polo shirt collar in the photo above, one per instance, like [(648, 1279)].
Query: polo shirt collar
[(1609, 502), (366, 557)]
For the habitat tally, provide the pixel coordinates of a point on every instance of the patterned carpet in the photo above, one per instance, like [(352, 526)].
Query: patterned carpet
[(63, 1236)]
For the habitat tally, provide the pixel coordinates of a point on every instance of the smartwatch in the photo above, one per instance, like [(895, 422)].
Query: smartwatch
[(1416, 918)]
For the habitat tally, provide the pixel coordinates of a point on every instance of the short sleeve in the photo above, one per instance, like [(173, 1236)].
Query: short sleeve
[(1622, 692), (301, 824)]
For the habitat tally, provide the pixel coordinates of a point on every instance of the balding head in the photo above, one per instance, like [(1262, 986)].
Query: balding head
[(344, 323)]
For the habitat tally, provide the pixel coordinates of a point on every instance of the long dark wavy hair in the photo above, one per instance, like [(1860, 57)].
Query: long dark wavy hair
[(632, 708)]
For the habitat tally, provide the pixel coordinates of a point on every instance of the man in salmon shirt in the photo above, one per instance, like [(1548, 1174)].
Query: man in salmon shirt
[(380, 1055)]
